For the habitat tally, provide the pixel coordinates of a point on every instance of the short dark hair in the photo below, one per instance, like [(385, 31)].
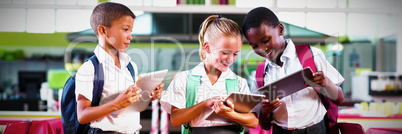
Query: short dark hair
[(108, 12), (257, 16)]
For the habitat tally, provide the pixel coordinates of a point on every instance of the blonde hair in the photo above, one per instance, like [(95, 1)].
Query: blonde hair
[(215, 27)]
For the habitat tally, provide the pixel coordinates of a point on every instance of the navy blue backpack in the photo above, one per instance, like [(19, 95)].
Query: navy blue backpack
[(69, 103)]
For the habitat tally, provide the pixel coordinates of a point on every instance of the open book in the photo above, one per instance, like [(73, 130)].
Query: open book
[(287, 85), (148, 83), (243, 103)]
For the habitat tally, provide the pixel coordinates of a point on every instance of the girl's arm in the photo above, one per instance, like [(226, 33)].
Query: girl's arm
[(181, 116), (86, 113)]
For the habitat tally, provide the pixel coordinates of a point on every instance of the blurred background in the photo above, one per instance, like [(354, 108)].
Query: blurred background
[(42, 42)]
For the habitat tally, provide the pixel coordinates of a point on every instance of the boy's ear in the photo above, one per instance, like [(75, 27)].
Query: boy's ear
[(101, 29), (281, 29)]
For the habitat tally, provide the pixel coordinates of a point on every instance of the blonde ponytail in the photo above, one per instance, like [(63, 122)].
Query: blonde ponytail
[(214, 27)]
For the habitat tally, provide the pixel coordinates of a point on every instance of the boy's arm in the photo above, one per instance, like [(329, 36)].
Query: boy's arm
[(86, 113), (157, 93), (265, 120), (267, 108), (181, 116), (331, 90)]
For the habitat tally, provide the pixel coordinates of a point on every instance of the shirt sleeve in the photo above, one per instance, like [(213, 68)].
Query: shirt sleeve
[(243, 85), (84, 80), (253, 84), (175, 94), (323, 65), (245, 89)]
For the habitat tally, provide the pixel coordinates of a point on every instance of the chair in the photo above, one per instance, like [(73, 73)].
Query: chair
[(350, 128), (17, 127)]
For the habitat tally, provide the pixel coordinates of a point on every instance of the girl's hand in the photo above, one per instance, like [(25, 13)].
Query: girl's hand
[(132, 94), (222, 108), (157, 93), (210, 102), (269, 106)]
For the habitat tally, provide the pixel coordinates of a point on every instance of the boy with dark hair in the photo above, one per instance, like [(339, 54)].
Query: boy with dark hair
[(112, 23), (302, 111)]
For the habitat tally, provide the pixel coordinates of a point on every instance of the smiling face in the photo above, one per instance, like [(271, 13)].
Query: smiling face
[(223, 52), (118, 35), (267, 41)]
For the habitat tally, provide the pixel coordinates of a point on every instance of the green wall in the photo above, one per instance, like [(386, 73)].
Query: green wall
[(60, 40)]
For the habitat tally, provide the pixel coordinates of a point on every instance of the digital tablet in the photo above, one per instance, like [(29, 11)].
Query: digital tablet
[(148, 83), (243, 103), (287, 85)]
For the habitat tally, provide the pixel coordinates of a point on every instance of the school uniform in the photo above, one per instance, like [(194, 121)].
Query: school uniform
[(302, 109), (116, 81), (175, 94)]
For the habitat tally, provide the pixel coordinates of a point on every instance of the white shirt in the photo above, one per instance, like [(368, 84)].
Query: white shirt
[(304, 108), (116, 81), (176, 93)]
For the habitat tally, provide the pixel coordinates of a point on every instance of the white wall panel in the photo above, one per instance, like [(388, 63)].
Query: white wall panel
[(328, 23), (130, 2), (12, 20), (41, 2), (40, 20), (68, 20), (66, 2)]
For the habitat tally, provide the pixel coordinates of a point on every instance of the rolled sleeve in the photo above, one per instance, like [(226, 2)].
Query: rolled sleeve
[(323, 65), (175, 94), (84, 80)]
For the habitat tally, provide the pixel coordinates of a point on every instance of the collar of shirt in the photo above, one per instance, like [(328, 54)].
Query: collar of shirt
[(288, 53), (200, 70), (103, 56)]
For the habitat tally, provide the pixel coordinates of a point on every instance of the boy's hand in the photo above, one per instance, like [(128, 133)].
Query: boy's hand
[(157, 93), (269, 106), (132, 94), (319, 81), (222, 108)]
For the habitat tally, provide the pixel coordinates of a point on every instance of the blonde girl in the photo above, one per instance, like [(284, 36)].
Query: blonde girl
[(194, 94)]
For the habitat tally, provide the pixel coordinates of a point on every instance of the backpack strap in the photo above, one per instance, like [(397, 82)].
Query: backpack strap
[(131, 69), (307, 60), (193, 83), (259, 74), (305, 56), (98, 81)]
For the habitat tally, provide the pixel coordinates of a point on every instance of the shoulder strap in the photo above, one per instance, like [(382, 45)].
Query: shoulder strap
[(193, 82), (305, 56), (131, 69), (98, 81), (232, 85), (259, 74)]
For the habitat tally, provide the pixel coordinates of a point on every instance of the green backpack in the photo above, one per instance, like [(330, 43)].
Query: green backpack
[(193, 82)]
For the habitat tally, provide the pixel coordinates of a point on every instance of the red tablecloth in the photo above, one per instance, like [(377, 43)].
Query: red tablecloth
[(384, 131), (50, 126)]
